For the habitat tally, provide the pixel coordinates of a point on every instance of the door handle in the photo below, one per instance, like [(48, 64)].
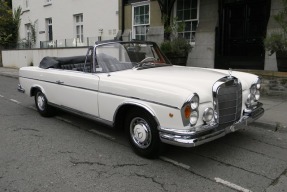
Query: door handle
[(59, 82)]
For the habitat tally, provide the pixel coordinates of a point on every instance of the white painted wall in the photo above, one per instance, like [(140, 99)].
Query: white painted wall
[(97, 14), (23, 58)]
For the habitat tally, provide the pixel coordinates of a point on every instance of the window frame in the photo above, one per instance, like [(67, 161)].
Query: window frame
[(28, 31), (191, 39), (48, 24), (146, 25)]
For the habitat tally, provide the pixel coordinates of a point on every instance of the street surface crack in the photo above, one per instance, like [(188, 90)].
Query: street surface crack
[(128, 165), (76, 163), (26, 129), (253, 151), (153, 179), (230, 165), (275, 181), (66, 152), (268, 143)]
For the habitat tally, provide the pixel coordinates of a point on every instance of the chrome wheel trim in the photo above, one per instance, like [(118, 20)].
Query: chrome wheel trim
[(41, 102), (140, 132)]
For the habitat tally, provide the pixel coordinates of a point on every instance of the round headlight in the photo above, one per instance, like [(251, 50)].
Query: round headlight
[(208, 115), (193, 118), (194, 102)]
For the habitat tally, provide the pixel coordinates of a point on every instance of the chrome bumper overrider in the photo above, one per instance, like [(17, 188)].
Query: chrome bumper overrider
[(185, 138), (20, 89)]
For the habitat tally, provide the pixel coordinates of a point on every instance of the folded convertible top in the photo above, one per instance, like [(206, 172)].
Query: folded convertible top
[(56, 62)]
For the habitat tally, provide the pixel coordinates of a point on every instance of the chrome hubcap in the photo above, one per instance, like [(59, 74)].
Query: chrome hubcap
[(41, 102), (140, 132)]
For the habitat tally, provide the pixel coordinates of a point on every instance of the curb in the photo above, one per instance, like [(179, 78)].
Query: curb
[(273, 126), (9, 75)]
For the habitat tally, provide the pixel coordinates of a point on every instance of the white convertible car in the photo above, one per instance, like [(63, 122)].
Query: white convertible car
[(133, 85)]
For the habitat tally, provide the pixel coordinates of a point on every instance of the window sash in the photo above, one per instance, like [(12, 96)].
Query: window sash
[(141, 21), (187, 11), (79, 27)]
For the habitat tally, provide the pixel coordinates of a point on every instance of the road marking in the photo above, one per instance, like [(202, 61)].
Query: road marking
[(15, 101), (175, 162), (1, 96), (231, 185), (102, 134)]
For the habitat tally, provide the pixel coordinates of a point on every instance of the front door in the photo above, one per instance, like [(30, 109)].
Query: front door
[(242, 28)]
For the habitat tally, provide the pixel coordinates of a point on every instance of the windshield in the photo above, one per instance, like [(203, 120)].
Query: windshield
[(112, 57)]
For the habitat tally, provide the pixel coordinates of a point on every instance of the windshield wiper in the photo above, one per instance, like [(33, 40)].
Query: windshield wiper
[(141, 66)]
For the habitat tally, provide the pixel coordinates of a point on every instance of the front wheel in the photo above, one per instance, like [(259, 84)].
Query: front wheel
[(42, 105), (141, 129)]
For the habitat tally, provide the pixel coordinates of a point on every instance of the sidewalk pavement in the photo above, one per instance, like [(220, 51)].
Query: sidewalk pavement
[(274, 118)]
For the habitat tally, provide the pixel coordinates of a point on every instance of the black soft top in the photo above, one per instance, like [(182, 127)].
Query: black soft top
[(57, 62)]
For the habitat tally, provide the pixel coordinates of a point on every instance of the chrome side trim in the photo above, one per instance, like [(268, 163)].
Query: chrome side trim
[(60, 84), (136, 98), (86, 115), (108, 93)]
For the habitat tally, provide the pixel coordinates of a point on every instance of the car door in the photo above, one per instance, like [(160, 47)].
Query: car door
[(78, 91)]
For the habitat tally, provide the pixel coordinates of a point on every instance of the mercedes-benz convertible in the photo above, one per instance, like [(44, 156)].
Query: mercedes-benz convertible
[(132, 85)]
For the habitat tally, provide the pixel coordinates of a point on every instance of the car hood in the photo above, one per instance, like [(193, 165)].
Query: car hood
[(167, 85)]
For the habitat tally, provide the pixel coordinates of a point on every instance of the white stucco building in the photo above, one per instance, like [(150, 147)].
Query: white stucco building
[(67, 23)]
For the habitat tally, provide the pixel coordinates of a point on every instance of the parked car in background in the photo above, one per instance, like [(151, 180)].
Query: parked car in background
[(133, 85)]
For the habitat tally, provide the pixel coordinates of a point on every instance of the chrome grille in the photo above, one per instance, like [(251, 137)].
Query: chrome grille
[(228, 100)]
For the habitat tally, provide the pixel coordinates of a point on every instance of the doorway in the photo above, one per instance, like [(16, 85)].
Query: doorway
[(240, 33)]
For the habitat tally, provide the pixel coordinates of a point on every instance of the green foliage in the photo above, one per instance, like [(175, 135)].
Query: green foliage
[(9, 26), (178, 46), (277, 40), (33, 32), (175, 45)]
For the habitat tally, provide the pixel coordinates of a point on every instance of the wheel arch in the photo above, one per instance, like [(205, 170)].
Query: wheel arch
[(34, 90), (121, 111)]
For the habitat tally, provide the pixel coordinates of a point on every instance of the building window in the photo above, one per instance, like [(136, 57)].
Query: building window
[(187, 12), (28, 31), (141, 21), (49, 23), (79, 28)]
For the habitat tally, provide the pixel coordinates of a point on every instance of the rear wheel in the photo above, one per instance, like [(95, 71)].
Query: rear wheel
[(42, 105), (141, 129)]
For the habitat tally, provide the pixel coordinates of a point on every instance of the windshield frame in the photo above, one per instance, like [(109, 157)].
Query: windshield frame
[(99, 65)]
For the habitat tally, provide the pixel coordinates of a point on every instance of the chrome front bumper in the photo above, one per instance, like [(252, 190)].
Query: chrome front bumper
[(185, 138)]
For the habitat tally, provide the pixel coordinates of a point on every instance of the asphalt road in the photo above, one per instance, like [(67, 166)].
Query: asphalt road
[(71, 153)]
